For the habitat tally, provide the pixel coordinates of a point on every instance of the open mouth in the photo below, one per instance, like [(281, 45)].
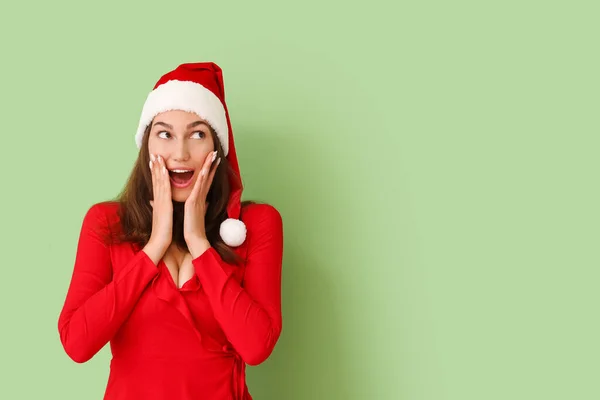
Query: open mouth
[(181, 178)]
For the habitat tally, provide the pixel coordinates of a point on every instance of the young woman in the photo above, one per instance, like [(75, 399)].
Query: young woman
[(177, 274)]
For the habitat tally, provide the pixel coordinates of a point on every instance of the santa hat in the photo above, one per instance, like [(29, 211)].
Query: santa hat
[(198, 88)]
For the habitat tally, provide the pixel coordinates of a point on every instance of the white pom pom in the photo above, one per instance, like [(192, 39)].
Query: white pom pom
[(233, 232)]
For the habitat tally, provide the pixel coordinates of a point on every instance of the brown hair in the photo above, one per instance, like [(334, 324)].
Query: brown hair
[(135, 211)]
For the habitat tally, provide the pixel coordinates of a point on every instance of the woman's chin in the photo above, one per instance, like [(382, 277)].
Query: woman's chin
[(180, 195)]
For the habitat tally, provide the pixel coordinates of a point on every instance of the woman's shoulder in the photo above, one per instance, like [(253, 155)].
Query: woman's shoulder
[(263, 222), (264, 227), (102, 215), (104, 209), (255, 214)]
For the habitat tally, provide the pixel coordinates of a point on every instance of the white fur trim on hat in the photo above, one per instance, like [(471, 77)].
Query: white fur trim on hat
[(187, 96), (233, 232)]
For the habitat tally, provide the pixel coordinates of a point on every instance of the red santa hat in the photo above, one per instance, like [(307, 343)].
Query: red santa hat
[(198, 88)]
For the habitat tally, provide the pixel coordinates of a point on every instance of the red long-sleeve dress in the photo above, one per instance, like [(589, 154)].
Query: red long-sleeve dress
[(170, 343)]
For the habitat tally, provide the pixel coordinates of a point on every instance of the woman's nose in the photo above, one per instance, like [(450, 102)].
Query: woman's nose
[(181, 152)]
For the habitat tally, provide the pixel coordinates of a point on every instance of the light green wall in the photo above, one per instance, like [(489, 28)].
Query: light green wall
[(435, 163)]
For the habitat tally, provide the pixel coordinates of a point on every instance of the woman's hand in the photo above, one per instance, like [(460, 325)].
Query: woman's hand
[(196, 205), (162, 205)]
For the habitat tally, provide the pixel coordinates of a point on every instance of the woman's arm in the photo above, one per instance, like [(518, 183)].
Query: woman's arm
[(250, 316), (97, 303)]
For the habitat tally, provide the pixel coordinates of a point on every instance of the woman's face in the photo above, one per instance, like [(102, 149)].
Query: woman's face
[(184, 140)]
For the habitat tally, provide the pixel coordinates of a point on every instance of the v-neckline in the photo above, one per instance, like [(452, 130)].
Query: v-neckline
[(166, 270), (177, 261)]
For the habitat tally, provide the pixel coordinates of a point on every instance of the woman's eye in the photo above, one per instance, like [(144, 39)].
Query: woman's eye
[(202, 134)]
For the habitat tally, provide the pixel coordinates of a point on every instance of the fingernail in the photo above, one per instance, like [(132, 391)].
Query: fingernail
[(150, 164), (152, 157), (214, 156), (203, 172), (159, 158), (164, 170), (219, 161)]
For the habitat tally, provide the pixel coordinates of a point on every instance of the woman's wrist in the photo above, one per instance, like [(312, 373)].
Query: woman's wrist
[(197, 246), (154, 252)]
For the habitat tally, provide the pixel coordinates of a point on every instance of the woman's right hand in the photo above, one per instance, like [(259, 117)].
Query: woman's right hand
[(162, 209)]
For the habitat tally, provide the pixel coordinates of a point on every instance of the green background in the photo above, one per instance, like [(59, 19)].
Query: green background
[(435, 164)]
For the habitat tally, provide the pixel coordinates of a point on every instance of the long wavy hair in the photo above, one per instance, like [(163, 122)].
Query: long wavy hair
[(135, 211)]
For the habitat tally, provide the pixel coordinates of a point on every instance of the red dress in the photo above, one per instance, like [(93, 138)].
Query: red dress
[(167, 343)]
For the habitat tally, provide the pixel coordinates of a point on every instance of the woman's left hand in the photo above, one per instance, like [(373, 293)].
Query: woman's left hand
[(196, 205)]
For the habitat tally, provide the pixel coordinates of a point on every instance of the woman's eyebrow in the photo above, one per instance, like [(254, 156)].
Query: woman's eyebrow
[(193, 124), (196, 123)]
